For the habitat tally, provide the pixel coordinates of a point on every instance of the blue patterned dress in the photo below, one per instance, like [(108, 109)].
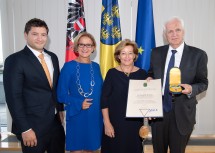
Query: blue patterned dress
[(83, 127)]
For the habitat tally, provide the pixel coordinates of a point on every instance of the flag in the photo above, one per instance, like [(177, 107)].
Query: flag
[(110, 34), (145, 36), (75, 25)]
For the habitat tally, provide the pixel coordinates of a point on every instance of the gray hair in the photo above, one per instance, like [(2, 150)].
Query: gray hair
[(172, 19)]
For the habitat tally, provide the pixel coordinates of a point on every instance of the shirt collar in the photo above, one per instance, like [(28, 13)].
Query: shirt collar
[(35, 52), (179, 49)]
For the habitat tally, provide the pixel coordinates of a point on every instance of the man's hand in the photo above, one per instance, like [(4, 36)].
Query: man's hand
[(187, 89), (29, 138)]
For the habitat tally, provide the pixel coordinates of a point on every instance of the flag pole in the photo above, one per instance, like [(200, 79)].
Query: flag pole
[(131, 18)]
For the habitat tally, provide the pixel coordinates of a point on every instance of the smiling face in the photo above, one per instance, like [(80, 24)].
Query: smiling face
[(85, 47), (36, 38), (127, 56), (174, 33)]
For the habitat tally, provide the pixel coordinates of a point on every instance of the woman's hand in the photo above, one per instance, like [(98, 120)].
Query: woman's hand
[(86, 103), (109, 130), (149, 78)]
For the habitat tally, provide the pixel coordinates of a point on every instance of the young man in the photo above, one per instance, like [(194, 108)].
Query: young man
[(30, 79), (175, 128)]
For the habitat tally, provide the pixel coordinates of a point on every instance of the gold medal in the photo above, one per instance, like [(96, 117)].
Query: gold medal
[(143, 132), (175, 81)]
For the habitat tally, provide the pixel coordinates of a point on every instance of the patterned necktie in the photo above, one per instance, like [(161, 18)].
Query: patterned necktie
[(167, 95), (45, 68)]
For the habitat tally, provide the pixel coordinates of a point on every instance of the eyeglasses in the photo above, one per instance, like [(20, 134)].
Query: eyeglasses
[(85, 45)]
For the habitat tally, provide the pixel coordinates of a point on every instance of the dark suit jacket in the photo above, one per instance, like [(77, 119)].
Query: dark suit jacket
[(30, 99), (193, 68)]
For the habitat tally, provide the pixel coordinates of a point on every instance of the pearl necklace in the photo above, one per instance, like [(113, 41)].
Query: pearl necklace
[(126, 73)]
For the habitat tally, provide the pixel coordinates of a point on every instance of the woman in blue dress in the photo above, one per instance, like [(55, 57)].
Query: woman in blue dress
[(79, 88)]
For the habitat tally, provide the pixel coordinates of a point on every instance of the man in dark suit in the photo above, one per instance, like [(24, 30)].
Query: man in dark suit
[(30, 91), (175, 128)]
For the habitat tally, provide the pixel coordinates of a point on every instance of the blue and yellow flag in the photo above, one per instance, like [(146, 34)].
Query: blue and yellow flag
[(110, 34), (145, 35)]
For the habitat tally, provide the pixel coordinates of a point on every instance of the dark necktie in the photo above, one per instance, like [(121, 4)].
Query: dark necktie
[(167, 95)]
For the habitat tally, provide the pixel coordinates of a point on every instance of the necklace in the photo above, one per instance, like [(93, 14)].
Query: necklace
[(126, 73), (78, 82)]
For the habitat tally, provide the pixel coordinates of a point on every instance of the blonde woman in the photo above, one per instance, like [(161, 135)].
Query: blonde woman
[(121, 133), (79, 89)]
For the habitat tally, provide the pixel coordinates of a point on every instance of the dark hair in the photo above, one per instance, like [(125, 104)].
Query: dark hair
[(122, 45), (35, 23)]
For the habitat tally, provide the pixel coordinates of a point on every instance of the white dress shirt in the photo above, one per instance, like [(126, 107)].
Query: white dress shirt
[(47, 58), (178, 56)]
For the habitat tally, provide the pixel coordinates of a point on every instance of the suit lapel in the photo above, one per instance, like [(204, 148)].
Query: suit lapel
[(184, 57), (164, 52), (55, 67), (35, 62), (184, 61), (55, 73)]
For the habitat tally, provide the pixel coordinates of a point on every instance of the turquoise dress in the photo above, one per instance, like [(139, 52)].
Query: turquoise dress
[(83, 127)]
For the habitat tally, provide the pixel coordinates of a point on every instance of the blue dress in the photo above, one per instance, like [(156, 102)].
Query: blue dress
[(83, 127)]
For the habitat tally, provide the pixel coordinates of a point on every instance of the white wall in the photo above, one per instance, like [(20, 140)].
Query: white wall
[(199, 17)]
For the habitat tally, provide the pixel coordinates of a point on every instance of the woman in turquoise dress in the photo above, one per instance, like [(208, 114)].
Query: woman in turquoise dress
[(79, 88)]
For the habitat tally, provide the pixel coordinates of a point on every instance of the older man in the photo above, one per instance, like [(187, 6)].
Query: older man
[(176, 126)]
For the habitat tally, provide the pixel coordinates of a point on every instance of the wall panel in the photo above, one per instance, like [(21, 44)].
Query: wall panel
[(199, 17)]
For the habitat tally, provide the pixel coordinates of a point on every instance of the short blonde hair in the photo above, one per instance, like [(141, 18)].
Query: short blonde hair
[(83, 34), (122, 45)]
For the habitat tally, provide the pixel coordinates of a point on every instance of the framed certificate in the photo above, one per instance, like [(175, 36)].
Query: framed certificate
[(144, 99)]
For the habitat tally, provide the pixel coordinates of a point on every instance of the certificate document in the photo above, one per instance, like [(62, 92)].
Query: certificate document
[(144, 99)]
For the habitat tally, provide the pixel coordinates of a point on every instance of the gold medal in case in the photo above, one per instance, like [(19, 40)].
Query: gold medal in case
[(175, 81)]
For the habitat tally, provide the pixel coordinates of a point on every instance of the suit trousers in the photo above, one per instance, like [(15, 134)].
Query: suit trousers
[(166, 134), (52, 142)]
